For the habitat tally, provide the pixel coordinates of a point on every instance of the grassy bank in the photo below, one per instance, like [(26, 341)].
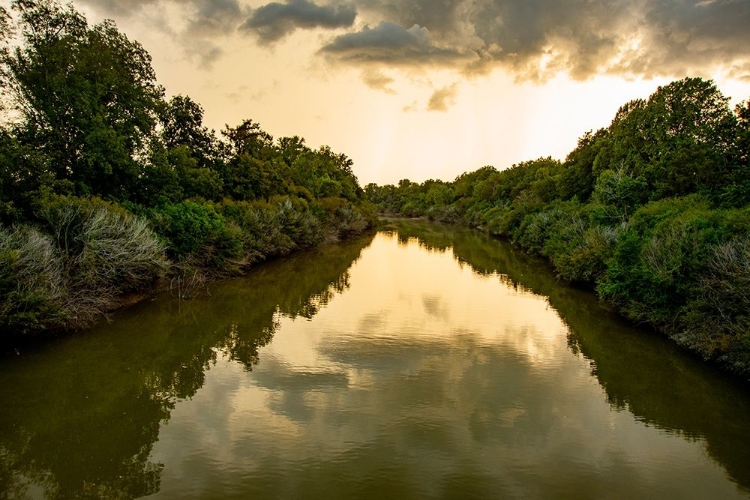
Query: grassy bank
[(73, 266)]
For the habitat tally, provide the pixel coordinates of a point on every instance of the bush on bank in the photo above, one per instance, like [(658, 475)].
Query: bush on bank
[(70, 268)]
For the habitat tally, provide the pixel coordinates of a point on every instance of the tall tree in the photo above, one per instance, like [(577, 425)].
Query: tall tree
[(6, 31), (87, 96), (182, 121), (682, 140)]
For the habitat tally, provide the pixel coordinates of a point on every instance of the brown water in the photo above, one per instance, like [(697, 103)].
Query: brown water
[(423, 362)]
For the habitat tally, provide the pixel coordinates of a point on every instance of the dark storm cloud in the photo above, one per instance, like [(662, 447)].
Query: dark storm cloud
[(532, 39), (118, 7), (685, 36), (210, 20), (203, 16), (274, 21), (537, 38), (391, 44), (213, 17), (206, 21)]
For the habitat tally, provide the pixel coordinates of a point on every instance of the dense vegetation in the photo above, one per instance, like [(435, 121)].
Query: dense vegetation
[(653, 211), (107, 186)]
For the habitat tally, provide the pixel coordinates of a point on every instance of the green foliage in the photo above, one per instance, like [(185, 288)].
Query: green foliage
[(251, 179), (161, 181), (620, 193), (103, 244), (674, 261), (577, 178), (87, 95), (197, 230), (182, 121), (275, 228), (194, 181), (652, 211), (31, 281), (716, 322), (341, 218), (681, 141), (85, 117), (24, 178)]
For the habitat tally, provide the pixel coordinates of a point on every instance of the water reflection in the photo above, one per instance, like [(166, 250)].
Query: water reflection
[(80, 416), (397, 391), (374, 368), (641, 372)]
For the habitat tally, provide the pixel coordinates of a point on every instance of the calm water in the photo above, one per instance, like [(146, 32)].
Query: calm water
[(422, 362)]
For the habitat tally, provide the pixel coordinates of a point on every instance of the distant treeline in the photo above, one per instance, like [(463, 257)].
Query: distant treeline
[(653, 211), (107, 186)]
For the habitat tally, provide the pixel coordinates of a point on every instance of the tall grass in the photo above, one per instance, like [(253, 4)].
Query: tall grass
[(68, 278)]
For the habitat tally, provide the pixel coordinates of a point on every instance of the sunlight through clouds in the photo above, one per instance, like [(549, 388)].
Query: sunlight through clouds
[(546, 75)]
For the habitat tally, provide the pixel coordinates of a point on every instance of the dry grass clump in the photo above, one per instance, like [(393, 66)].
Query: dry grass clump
[(70, 277)]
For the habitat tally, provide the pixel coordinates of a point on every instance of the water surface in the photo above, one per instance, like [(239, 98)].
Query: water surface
[(422, 362)]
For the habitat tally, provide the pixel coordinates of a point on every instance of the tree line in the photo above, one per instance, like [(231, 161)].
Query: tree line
[(652, 211), (106, 185)]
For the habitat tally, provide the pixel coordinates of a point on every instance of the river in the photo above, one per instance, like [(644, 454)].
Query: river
[(424, 361)]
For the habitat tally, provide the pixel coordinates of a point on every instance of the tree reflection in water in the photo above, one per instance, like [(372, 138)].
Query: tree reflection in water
[(80, 415), (662, 385)]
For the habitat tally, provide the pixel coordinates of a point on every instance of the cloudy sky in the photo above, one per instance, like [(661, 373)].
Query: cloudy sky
[(432, 88)]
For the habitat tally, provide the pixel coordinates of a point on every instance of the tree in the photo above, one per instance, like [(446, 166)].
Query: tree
[(620, 191), (682, 140), (737, 194), (577, 178), (6, 30), (251, 179), (248, 138), (182, 121), (291, 148), (87, 97)]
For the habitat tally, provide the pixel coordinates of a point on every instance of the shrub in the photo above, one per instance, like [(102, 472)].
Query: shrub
[(261, 229), (196, 231), (660, 257), (32, 287), (535, 229), (104, 252), (447, 214), (717, 322), (584, 257), (340, 217), (95, 252), (111, 249)]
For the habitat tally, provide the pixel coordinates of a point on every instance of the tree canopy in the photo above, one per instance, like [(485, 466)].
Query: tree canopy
[(86, 116)]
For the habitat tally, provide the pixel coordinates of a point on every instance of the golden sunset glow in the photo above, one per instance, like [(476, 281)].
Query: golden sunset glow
[(452, 98)]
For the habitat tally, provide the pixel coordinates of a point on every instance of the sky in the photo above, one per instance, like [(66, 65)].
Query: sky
[(428, 89)]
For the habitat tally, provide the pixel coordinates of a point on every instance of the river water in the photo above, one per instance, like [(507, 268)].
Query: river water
[(424, 361)]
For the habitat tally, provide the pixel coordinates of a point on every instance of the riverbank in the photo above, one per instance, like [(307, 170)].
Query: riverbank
[(652, 212), (86, 258), (694, 320), (108, 187)]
